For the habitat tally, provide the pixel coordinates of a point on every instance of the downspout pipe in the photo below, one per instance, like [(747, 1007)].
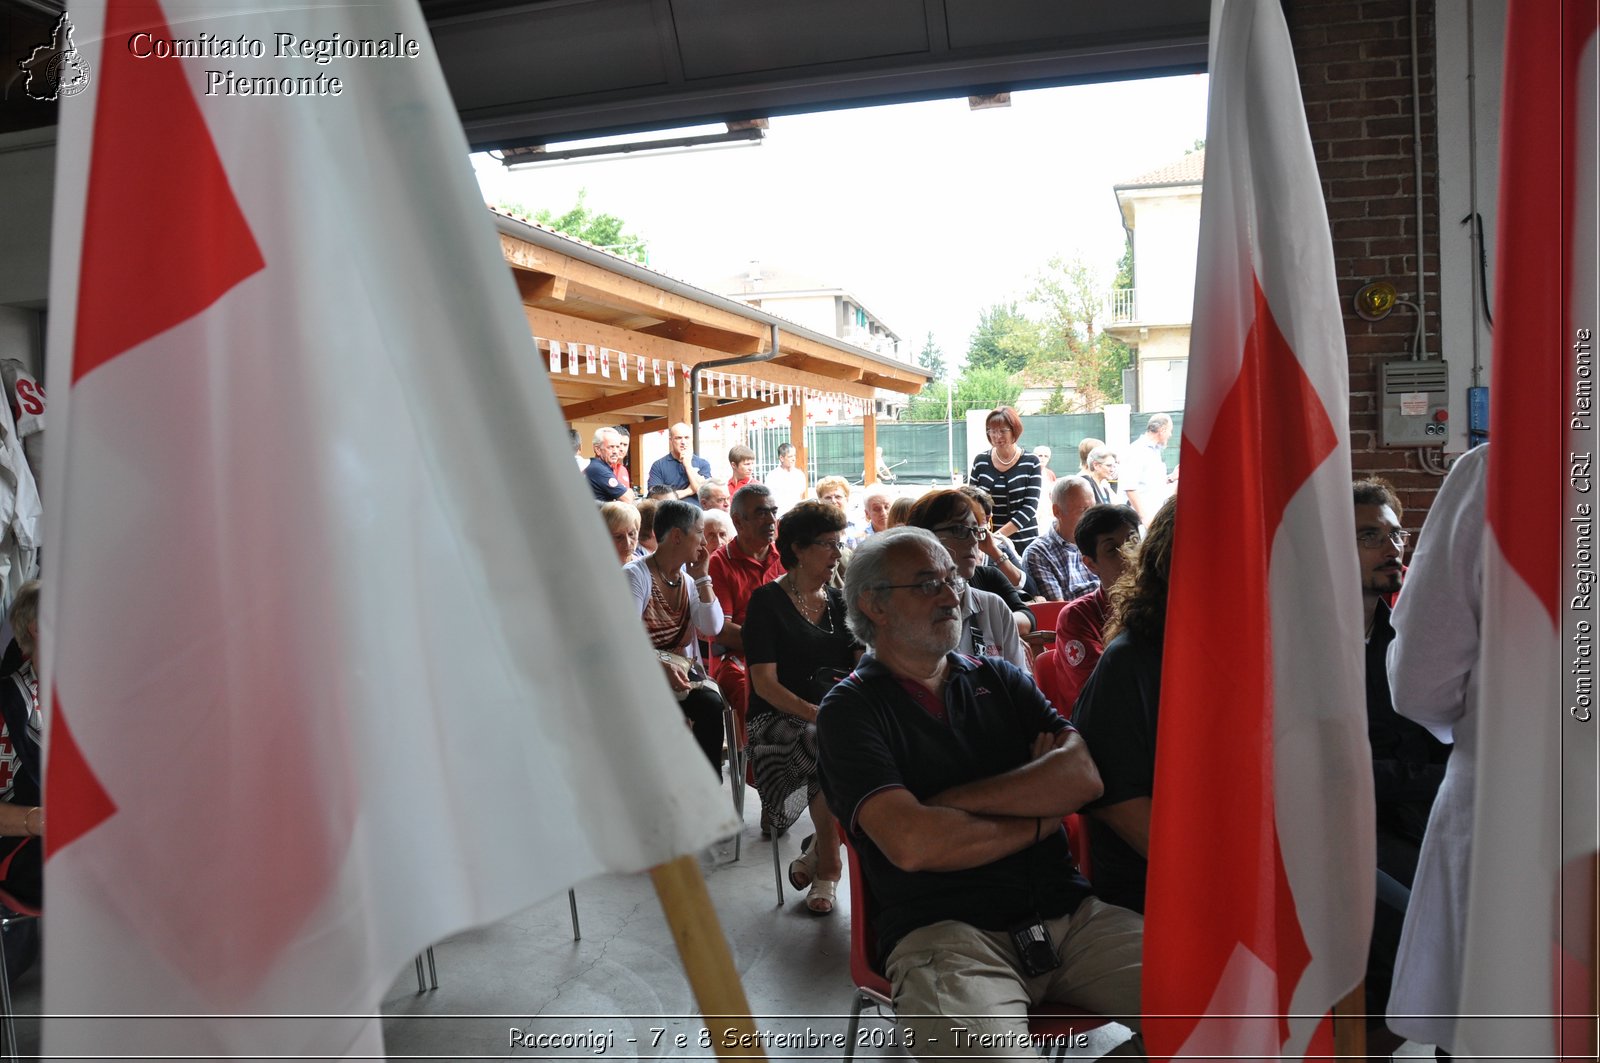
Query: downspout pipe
[(720, 363)]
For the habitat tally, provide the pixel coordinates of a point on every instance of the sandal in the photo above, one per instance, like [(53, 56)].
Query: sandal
[(820, 900), (803, 868)]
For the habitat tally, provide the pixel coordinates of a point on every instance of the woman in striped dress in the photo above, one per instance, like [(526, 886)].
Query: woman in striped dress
[(1011, 478)]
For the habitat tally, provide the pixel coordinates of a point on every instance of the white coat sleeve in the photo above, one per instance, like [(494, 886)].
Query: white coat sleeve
[(1435, 648)]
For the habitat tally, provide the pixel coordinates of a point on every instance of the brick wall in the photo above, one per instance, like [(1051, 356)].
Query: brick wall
[(1355, 73)]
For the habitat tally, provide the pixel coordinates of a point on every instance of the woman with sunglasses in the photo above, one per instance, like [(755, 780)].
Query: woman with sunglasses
[(797, 647)]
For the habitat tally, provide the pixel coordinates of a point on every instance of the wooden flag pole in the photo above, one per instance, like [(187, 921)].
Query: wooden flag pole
[(706, 959), (1350, 1024)]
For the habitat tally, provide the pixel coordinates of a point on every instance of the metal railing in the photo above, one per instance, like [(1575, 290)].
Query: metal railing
[(1122, 306)]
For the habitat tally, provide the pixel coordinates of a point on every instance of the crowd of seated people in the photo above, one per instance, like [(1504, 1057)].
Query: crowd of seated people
[(844, 676)]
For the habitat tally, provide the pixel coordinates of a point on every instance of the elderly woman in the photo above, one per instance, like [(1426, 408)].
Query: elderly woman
[(718, 529), (21, 817), (673, 613), (1011, 476), (622, 522), (1101, 474), (798, 647)]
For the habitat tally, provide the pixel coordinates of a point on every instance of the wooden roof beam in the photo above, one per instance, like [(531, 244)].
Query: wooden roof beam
[(624, 292), (623, 400)]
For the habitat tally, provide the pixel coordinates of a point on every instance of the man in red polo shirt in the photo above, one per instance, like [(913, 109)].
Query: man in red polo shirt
[(1100, 534), (740, 565)]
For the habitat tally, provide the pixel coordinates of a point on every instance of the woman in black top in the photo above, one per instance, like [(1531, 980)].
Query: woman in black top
[(1011, 477), (797, 646)]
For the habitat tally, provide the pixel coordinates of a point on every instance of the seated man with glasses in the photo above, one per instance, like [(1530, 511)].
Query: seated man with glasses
[(989, 625), (950, 775), (1407, 761)]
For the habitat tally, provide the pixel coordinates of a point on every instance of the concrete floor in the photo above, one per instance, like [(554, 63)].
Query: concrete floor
[(620, 991)]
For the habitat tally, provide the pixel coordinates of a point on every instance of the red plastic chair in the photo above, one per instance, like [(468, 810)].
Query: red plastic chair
[(1078, 841), (1047, 678), (1045, 614), (1056, 1022)]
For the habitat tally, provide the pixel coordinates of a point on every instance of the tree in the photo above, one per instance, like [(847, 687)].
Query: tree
[(1004, 339), (984, 388), (1056, 403), (1071, 297), (931, 358), (602, 230)]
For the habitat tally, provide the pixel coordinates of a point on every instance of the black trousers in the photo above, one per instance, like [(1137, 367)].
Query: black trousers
[(703, 709)]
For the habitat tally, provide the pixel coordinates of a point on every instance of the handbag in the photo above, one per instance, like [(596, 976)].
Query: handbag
[(698, 679)]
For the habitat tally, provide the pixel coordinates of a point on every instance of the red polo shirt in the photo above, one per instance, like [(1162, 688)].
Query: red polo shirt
[(735, 575)]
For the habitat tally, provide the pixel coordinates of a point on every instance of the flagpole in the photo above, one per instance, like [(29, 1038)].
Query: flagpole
[(706, 959), (1350, 1024)]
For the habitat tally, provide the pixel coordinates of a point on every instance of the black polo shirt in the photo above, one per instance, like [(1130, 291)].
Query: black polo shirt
[(1117, 712), (871, 737)]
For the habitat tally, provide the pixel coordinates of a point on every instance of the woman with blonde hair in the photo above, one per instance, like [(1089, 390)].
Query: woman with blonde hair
[(622, 523)]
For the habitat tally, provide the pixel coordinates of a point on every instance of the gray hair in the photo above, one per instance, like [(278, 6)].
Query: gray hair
[(602, 436), (1158, 421), (868, 573), (704, 494), (719, 518), (1099, 454), (673, 514), (750, 492), (1066, 485)]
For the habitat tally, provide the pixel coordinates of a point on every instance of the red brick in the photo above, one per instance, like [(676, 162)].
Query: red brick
[(1364, 71)]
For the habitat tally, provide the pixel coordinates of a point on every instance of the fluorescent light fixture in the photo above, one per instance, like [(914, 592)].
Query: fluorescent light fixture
[(749, 133)]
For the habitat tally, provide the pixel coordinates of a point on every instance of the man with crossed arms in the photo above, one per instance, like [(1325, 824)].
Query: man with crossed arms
[(950, 775)]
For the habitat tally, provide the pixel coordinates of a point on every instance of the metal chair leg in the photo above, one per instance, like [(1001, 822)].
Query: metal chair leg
[(572, 902), (777, 868), (10, 1050), (432, 980), (855, 1027), (736, 768)]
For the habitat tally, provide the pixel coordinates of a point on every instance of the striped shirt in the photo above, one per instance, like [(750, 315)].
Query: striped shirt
[(1015, 493)]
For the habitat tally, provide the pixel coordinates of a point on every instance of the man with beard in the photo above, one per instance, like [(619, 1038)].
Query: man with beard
[(950, 775), (1407, 762)]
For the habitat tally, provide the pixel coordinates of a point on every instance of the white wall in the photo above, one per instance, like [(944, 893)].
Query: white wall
[(1166, 237), (1469, 91)]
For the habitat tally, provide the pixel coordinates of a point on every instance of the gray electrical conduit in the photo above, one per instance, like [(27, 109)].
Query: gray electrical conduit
[(694, 383)]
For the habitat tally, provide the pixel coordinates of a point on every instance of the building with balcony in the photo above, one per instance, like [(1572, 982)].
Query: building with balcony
[(829, 310), (1161, 212)]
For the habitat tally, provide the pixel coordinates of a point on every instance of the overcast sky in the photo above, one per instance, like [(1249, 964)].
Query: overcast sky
[(927, 212)]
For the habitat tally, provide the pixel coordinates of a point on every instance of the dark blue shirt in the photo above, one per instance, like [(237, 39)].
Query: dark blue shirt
[(603, 482), (670, 472), (871, 737)]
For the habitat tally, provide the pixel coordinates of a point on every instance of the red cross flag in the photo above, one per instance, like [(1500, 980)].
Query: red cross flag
[(1530, 930), (332, 648), (1261, 878)]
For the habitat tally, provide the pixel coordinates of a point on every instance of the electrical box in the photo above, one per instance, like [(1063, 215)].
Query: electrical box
[(1477, 416), (1413, 407)]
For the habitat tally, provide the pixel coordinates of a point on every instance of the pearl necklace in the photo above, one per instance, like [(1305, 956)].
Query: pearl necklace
[(805, 609)]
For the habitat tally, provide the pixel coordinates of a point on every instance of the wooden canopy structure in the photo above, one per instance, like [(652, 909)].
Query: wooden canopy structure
[(620, 340)]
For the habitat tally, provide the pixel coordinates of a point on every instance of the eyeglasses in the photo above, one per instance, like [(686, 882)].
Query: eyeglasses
[(1371, 537), (929, 588), (828, 544), (963, 532)]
